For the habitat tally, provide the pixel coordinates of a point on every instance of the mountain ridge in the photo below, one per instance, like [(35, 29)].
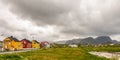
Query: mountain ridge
[(92, 41)]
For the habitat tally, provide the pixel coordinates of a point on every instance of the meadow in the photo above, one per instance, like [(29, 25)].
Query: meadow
[(103, 48), (53, 54)]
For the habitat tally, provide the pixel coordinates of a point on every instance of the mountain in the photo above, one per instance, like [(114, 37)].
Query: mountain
[(103, 39), (115, 42), (84, 41), (88, 40), (60, 42), (74, 41), (91, 40)]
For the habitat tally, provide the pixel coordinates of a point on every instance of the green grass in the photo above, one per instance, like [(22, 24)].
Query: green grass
[(53, 54), (103, 49)]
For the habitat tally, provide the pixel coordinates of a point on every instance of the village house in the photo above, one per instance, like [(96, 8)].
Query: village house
[(45, 44), (35, 44), (11, 43), (26, 43)]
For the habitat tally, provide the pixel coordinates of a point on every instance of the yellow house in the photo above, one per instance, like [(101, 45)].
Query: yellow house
[(11, 43), (35, 44)]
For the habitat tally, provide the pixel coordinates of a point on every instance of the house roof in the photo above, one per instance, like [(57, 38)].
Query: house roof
[(13, 38), (44, 42), (26, 40), (1, 41), (36, 41)]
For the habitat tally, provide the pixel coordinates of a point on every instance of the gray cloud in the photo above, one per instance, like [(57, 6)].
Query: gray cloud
[(5, 25), (72, 17), (42, 11)]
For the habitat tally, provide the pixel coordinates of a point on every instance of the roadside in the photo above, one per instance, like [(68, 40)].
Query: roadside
[(115, 55), (23, 50)]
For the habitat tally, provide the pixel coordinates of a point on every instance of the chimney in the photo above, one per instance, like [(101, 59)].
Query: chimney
[(11, 36)]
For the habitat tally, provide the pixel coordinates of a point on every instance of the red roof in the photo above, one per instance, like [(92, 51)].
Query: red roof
[(26, 40)]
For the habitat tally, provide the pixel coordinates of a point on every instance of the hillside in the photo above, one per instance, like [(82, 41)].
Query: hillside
[(91, 40)]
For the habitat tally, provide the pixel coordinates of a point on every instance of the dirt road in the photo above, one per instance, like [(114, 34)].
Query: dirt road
[(107, 54)]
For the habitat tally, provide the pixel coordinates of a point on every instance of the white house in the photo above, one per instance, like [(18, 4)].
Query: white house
[(73, 45)]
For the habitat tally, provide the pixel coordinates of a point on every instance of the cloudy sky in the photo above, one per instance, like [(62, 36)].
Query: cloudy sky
[(55, 20)]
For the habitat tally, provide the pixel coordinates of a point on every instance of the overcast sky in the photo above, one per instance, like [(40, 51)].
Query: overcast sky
[(54, 20)]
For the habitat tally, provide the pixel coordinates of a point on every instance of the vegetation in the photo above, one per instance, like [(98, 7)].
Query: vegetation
[(63, 52), (103, 48), (53, 54)]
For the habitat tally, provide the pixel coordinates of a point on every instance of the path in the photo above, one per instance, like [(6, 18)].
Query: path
[(23, 50), (107, 54)]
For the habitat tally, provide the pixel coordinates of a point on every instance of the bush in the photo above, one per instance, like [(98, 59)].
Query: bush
[(10, 56)]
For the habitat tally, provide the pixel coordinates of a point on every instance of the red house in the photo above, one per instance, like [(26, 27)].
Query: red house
[(26, 43)]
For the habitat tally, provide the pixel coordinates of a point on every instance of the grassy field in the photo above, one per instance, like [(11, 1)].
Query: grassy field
[(103, 49), (53, 54)]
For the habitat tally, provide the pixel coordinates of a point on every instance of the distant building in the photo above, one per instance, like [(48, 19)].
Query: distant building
[(45, 44), (11, 43), (111, 44), (35, 44), (26, 43), (73, 45)]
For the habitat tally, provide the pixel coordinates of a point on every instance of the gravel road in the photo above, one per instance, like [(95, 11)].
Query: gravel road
[(107, 54)]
